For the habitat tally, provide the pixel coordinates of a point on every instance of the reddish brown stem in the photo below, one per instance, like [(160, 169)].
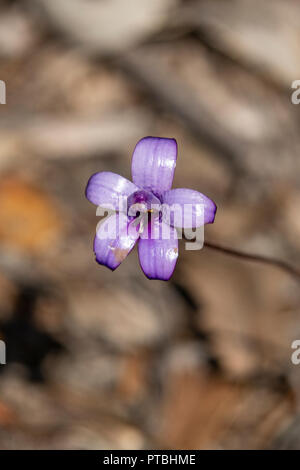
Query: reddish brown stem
[(256, 258)]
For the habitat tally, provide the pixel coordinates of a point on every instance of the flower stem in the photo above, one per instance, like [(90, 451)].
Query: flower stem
[(256, 258)]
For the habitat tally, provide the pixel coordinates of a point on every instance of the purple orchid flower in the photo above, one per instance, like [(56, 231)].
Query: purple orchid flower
[(153, 166)]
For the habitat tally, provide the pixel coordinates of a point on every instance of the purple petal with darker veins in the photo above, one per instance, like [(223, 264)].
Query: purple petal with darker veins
[(158, 251), (107, 189), (187, 208), (115, 238), (153, 164)]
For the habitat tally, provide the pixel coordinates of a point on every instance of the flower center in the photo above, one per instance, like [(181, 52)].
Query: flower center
[(142, 202)]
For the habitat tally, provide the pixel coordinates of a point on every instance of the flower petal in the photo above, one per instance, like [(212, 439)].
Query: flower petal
[(158, 253), (187, 208), (115, 238), (107, 189), (153, 164)]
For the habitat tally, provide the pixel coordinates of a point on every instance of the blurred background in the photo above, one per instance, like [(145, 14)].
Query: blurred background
[(101, 360)]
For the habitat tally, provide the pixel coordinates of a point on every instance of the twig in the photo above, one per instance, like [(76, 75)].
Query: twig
[(256, 258)]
